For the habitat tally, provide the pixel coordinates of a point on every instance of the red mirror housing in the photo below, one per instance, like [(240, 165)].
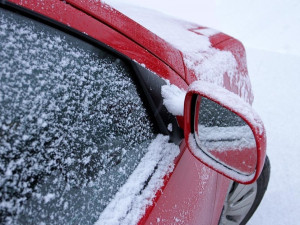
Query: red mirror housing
[(234, 161)]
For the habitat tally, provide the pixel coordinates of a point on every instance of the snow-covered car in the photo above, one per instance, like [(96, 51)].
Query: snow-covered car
[(110, 120)]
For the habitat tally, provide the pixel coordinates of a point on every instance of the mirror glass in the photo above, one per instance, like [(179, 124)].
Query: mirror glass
[(224, 136)]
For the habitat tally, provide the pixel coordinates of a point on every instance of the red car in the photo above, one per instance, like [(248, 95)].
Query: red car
[(104, 121)]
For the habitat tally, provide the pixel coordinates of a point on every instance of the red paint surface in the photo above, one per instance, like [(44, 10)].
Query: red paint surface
[(190, 195)]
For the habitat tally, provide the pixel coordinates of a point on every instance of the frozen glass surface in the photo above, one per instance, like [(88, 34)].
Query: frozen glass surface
[(72, 125)]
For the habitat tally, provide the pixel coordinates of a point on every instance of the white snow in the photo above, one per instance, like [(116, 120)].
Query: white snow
[(211, 65), (130, 202), (173, 98), (270, 31), (48, 197)]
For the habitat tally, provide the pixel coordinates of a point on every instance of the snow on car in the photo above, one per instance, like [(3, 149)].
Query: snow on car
[(98, 113)]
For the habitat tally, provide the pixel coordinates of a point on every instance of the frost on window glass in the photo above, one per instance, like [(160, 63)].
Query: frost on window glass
[(72, 125)]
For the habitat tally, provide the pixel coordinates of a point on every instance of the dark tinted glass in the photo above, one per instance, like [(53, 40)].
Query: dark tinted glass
[(72, 125), (213, 114)]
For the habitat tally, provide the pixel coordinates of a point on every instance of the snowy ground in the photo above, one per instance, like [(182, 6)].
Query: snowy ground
[(270, 30)]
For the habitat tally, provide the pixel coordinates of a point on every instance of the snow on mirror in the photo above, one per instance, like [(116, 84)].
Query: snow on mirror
[(224, 136)]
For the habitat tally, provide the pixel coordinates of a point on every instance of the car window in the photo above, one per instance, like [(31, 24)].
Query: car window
[(72, 125)]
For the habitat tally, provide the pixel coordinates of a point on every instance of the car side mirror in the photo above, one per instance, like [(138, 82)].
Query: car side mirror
[(222, 131)]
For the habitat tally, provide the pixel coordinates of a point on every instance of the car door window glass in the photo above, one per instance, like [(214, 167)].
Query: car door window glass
[(72, 125)]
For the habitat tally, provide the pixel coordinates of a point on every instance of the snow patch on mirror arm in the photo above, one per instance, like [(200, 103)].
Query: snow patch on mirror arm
[(129, 204), (173, 98)]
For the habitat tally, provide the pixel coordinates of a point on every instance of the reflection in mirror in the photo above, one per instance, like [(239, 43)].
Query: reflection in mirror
[(224, 136)]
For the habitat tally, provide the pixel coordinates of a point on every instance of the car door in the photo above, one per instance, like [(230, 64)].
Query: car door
[(71, 95)]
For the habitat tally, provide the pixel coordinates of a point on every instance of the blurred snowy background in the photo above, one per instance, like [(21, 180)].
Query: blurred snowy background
[(270, 31)]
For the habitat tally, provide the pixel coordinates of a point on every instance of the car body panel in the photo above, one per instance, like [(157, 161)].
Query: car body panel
[(188, 198), (193, 193)]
